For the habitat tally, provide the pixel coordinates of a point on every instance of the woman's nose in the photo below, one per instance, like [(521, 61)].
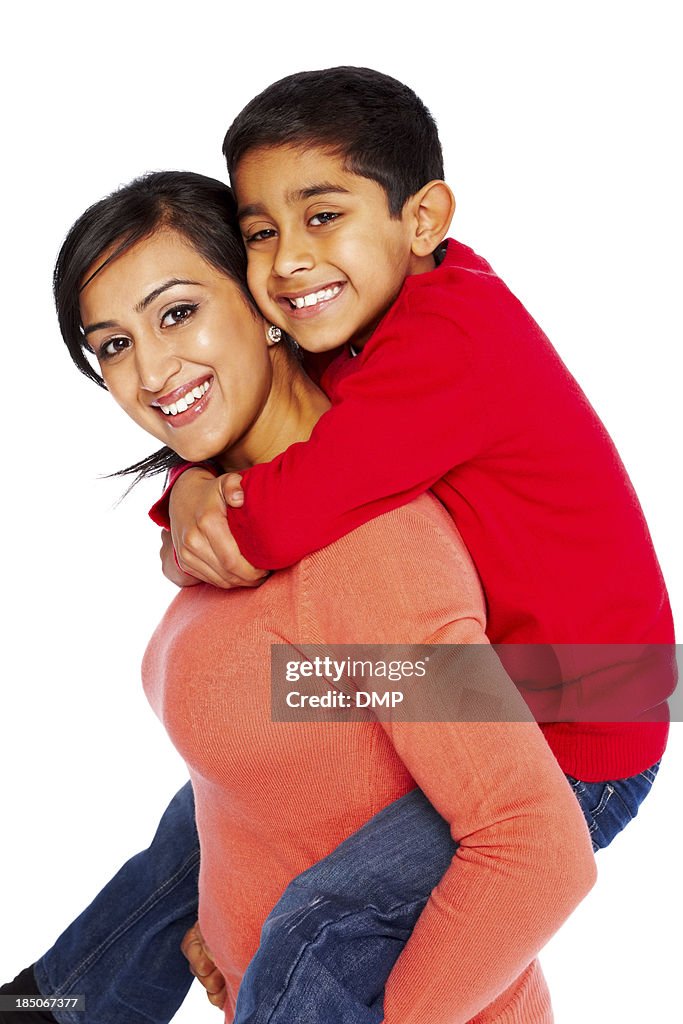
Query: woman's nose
[(156, 364)]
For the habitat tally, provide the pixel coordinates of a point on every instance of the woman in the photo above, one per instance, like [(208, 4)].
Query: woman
[(151, 280)]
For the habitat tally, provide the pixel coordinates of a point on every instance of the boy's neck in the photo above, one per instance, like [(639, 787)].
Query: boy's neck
[(418, 265), (421, 264)]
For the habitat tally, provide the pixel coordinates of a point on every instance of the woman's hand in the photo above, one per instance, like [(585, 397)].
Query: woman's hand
[(202, 965), (204, 545)]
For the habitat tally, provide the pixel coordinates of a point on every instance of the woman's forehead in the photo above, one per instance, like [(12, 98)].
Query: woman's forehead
[(131, 276)]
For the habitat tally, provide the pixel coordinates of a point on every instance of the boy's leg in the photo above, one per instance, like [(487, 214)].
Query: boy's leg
[(123, 952), (608, 807), (331, 941)]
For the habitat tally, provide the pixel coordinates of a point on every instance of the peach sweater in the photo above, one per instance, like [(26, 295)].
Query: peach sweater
[(272, 798)]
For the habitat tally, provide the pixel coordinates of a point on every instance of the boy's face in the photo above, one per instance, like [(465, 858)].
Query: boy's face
[(326, 260)]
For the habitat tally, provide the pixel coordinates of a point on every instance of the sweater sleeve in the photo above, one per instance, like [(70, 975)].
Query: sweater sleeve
[(524, 859), (417, 404)]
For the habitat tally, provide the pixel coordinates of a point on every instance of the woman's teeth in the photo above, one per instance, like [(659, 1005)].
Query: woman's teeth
[(315, 297), (184, 403)]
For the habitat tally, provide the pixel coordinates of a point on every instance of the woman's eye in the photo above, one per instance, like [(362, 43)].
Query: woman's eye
[(178, 314), (260, 236), (323, 218), (113, 347)]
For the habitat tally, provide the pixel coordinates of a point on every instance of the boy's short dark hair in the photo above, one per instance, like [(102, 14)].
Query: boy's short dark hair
[(381, 128)]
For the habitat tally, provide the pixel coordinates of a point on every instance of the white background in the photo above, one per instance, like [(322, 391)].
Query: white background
[(561, 127)]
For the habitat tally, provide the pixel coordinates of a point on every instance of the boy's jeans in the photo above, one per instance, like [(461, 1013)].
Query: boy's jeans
[(123, 952), (337, 930)]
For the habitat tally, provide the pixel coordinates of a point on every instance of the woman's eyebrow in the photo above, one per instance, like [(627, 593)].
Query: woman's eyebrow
[(101, 326), (142, 304)]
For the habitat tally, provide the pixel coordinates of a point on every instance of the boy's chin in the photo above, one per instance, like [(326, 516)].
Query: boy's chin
[(327, 340), (320, 348)]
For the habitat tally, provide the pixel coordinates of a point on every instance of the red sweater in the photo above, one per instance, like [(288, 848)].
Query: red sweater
[(459, 390)]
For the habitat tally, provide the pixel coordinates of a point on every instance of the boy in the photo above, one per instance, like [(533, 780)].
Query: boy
[(446, 383)]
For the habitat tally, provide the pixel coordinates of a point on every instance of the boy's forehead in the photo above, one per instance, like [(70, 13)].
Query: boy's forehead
[(291, 174)]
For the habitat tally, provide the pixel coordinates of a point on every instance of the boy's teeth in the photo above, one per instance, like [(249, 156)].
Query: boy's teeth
[(314, 297), (183, 404)]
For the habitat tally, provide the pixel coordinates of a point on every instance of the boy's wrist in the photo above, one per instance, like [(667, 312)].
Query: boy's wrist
[(159, 512)]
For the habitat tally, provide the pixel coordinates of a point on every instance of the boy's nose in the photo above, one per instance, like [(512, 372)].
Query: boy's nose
[(294, 253)]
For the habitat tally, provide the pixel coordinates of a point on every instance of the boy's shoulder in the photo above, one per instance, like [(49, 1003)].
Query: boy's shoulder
[(461, 299), (460, 271)]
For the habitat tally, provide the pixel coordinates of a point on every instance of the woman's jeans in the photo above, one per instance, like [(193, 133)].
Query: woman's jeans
[(338, 928)]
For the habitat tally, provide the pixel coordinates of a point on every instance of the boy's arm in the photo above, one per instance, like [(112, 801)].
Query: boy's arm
[(197, 545), (169, 564), (418, 404)]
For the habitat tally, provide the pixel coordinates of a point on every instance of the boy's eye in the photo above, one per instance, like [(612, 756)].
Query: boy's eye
[(326, 217), (260, 236), (178, 314), (113, 347)]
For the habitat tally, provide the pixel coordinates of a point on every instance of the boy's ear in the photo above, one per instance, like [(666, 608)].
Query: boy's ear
[(432, 209)]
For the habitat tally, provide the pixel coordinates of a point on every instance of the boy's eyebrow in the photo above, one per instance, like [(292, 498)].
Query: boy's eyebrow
[(142, 304), (295, 196)]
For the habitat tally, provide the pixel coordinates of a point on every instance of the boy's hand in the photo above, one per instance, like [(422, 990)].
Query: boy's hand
[(169, 566), (203, 544), (202, 965)]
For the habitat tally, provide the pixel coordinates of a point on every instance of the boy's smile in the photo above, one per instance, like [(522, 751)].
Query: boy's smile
[(326, 259)]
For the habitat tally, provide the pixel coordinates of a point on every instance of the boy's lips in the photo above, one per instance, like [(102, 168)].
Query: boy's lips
[(184, 403), (303, 305)]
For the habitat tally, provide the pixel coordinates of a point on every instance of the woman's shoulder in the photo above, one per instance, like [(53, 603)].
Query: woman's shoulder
[(423, 521), (407, 566)]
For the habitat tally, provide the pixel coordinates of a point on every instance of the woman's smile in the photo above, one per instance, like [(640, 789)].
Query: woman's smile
[(185, 403)]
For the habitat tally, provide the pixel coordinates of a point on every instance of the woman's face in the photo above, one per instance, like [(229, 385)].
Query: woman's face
[(178, 346)]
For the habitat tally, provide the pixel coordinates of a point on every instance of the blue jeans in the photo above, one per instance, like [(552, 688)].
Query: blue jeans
[(336, 931), (609, 806), (123, 952)]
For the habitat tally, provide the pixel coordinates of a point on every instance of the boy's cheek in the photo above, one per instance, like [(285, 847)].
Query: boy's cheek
[(258, 288)]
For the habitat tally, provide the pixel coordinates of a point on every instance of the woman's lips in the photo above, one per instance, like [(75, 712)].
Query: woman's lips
[(183, 416)]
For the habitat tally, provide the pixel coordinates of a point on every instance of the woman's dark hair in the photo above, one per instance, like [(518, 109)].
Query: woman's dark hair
[(378, 125), (200, 209)]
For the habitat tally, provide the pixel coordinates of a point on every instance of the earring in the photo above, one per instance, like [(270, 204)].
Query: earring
[(274, 334)]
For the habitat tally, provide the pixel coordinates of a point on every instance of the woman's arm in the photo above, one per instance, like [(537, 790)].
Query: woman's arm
[(524, 859)]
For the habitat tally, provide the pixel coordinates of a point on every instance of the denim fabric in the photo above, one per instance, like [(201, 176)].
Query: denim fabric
[(123, 952), (326, 948), (330, 942), (609, 806)]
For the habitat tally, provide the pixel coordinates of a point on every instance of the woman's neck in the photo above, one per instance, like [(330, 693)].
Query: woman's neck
[(293, 407)]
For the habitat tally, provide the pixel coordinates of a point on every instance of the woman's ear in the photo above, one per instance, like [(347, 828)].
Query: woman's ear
[(432, 209)]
